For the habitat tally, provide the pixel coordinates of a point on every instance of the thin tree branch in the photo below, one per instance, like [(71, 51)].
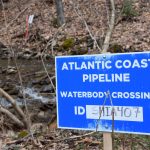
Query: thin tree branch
[(50, 79)]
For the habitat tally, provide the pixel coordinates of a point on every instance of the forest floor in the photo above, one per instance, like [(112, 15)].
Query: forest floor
[(132, 28), (44, 37)]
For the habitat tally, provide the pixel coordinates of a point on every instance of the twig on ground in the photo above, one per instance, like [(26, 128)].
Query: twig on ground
[(72, 137)]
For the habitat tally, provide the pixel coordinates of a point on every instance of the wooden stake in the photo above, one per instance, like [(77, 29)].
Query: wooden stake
[(107, 141), (107, 138)]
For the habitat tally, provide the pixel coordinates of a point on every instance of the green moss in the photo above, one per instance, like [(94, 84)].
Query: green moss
[(116, 48), (78, 50), (22, 134), (68, 43), (128, 11), (55, 22)]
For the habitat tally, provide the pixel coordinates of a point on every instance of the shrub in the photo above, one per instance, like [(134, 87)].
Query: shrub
[(128, 10)]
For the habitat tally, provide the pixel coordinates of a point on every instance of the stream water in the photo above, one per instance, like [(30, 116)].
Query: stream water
[(28, 69)]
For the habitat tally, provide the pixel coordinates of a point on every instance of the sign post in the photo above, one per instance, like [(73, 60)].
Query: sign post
[(82, 83), (107, 143), (107, 137)]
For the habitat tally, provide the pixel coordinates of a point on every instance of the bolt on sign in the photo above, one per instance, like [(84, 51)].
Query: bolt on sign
[(83, 83)]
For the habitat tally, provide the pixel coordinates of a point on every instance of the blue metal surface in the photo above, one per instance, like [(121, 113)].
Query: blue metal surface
[(83, 82)]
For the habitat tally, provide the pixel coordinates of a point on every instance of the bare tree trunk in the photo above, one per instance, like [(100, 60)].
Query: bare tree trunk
[(111, 27), (60, 12)]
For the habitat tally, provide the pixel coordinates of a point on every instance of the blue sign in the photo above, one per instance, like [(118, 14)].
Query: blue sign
[(90, 88)]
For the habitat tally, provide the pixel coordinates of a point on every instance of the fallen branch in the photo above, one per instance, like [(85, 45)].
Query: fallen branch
[(69, 138), (15, 106), (11, 116)]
